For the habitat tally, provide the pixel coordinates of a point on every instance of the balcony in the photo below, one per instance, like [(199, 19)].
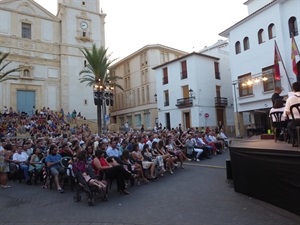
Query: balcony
[(184, 102), (220, 102)]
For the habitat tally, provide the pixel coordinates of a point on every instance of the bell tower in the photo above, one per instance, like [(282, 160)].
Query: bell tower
[(89, 5), (82, 24)]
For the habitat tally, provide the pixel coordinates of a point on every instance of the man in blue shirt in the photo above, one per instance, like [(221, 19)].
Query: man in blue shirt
[(53, 162)]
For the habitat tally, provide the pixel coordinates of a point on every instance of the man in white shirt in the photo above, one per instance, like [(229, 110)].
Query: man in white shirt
[(149, 142), (292, 100), (21, 159)]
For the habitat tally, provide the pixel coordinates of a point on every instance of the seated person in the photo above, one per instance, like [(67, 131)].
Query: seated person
[(81, 166), (138, 157), (215, 143), (53, 162), (133, 167), (278, 107), (292, 100), (167, 157), (21, 159), (111, 170), (35, 160), (223, 137), (191, 150), (113, 152)]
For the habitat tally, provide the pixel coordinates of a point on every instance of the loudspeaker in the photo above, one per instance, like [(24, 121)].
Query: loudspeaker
[(229, 169)]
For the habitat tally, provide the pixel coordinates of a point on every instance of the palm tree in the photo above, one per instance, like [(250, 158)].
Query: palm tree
[(96, 74), (4, 75)]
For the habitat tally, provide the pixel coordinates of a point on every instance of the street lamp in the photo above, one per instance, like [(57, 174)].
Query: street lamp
[(103, 97), (191, 93)]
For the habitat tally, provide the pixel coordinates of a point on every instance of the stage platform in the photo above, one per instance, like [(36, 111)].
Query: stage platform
[(267, 170), (257, 142)]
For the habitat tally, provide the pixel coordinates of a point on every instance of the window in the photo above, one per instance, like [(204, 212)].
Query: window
[(244, 88), (83, 3), (129, 99), (268, 72), (217, 71), (134, 98), (183, 70), (26, 73), (260, 36), (125, 83), (293, 27), (166, 94), (26, 30), (122, 102), (237, 47), (271, 31), (164, 57), (143, 95), (165, 75), (126, 68), (246, 43), (218, 91), (147, 94), (143, 59), (85, 102), (138, 120), (138, 97), (144, 76), (147, 119)]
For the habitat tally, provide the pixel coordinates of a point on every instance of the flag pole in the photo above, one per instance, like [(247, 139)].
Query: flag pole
[(283, 65)]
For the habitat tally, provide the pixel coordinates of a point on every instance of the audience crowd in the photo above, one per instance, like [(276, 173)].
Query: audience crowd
[(135, 156)]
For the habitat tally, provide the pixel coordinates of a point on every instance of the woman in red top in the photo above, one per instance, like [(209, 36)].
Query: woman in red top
[(111, 171)]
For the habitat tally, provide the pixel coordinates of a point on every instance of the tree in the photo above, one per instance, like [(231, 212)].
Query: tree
[(4, 75), (95, 73)]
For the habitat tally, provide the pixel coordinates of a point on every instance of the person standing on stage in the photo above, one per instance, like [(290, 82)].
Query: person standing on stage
[(276, 95)]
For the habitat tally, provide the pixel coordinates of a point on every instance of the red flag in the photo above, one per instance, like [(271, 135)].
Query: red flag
[(295, 52), (277, 58)]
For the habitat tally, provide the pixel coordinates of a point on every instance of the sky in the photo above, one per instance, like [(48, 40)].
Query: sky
[(187, 25)]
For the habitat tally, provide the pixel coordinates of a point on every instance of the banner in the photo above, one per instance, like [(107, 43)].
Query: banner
[(277, 58), (295, 52)]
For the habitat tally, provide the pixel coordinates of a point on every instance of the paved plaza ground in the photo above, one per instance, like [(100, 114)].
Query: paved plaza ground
[(200, 194)]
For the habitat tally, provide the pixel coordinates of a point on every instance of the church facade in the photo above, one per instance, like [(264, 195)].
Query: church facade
[(47, 49)]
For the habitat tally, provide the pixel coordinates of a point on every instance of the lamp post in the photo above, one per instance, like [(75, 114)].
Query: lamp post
[(103, 96), (191, 93)]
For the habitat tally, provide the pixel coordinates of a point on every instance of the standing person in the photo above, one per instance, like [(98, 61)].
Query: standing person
[(126, 125), (293, 99), (142, 128), (180, 129), (220, 126), (276, 95), (68, 117), (62, 114), (4, 167), (73, 116)]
